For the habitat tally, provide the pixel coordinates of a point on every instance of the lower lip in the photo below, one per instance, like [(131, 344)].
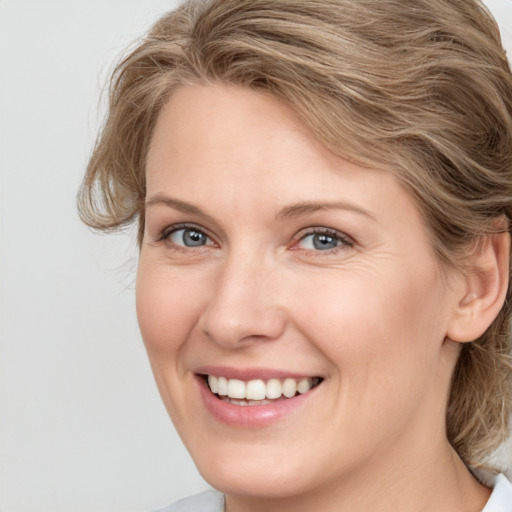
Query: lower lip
[(250, 416)]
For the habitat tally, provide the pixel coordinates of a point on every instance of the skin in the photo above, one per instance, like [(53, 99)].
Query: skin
[(370, 316)]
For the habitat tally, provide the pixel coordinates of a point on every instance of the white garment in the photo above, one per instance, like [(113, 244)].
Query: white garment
[(209, 501), (501, 497), (213, 501)]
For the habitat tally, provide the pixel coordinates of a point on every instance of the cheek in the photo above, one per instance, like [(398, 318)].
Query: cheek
[(374, 329), (382, 341), (168, 305)]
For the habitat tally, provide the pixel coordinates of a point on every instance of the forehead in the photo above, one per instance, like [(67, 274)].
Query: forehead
[(243, 149), (228, 125)]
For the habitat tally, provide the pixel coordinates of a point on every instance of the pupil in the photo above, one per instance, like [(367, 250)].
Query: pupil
[(323, 242), (193, 238)]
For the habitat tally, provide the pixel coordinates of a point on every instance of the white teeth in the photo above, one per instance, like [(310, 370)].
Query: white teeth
[(257, 392), (236, 388), (213, 382), (222, 384), (289, 388), (304, 385), (274, 389), (243, 403)]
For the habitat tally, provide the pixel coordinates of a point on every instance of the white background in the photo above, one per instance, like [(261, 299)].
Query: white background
[(81, 425)]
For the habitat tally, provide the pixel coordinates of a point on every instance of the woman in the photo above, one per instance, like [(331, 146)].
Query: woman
[(323, 191)]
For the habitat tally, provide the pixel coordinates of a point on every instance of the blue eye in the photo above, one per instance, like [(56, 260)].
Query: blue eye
[(189, 237), (322, 241)]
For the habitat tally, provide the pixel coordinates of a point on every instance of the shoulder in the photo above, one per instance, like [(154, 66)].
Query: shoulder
[(209, 501), (501, 497)]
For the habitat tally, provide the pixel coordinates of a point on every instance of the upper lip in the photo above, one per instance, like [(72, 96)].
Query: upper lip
[(247, 374)]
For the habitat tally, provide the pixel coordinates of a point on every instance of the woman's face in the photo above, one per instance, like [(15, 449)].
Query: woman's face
[(269, 263)]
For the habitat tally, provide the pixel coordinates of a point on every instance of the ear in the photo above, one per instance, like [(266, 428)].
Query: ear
[(485, 287)]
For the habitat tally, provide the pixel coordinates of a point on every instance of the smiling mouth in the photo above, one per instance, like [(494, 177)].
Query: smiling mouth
[(259, 391)]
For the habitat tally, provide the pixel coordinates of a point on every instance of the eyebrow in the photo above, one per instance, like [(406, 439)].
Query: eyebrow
[(174, 203), (306, 207), (177, 204), (292, 211)]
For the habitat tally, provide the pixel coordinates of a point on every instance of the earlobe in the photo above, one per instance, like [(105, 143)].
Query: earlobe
[(486, 286)]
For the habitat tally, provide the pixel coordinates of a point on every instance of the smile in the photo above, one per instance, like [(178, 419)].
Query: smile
[(259, 391), (250, 398)]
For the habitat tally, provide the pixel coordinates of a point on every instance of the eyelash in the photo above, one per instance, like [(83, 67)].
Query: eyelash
[(166, 234), (343, 240)]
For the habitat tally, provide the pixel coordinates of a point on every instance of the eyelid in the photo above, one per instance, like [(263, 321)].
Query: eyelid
[(346, 240), (165, 235)]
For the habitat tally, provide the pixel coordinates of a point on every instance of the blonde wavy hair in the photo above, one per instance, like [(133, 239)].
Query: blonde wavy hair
[(420, 88)]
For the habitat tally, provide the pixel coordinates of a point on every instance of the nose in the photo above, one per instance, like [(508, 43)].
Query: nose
[(244, 306)]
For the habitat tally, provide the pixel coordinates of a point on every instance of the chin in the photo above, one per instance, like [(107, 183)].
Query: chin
[(258, 470), (253, 478)]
